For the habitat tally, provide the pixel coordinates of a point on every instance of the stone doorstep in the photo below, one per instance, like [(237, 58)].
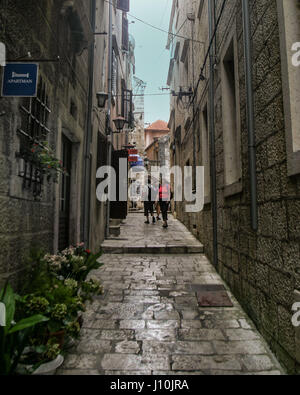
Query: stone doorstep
[(114, 222), (111, 249), (114, 230)]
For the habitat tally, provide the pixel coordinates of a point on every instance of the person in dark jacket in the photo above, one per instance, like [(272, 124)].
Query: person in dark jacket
[(149, 199)]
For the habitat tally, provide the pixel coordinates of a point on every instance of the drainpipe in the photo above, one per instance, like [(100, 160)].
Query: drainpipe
[(89, 134), (250, 114), (212, 134), (109, 110), (194, 128)]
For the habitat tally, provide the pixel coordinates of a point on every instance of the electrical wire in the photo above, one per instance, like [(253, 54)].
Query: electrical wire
[(164, 31), (154, 94), (158, 28), (164, 13), (149, 94), (157, 59), (54, 35), (203, 66), (208, 51), (184, 22)]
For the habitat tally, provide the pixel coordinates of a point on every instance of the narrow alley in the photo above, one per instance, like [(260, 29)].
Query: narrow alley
[(149, 188), (148, 321)]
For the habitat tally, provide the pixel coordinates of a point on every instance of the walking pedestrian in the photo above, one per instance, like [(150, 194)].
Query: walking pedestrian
[(164, 199), (149, 199), (157, 206)]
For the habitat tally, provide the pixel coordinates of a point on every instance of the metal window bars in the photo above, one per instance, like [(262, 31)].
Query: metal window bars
[(35, 113)]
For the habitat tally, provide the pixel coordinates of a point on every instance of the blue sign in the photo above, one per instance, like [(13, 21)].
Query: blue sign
[(139, 162), (20, 80)]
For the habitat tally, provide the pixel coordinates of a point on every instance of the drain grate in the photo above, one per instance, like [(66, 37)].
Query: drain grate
[(206, 287), (211, 295)]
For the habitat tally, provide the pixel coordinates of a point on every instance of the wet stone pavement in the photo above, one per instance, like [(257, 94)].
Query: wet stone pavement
[(137, 237), (148, 321)]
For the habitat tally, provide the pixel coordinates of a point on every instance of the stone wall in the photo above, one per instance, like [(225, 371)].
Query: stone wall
[(261, 268), (41, 29)]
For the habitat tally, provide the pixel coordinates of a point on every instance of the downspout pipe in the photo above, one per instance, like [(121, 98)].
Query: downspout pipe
[(89, 134), (212, 134), (250, 114), (109, 130), (194, 126)]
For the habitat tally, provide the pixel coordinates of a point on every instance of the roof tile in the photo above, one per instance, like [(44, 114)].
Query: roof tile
[(159, 125)]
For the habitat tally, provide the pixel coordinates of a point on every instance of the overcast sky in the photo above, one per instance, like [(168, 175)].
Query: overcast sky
[(152, 59)]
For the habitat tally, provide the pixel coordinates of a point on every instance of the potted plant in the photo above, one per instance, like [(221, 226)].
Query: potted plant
[(42, 156), (74, 262), (14, 336), (57, 287)]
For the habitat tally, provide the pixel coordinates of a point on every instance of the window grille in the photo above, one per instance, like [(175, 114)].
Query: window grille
[(35, 113)]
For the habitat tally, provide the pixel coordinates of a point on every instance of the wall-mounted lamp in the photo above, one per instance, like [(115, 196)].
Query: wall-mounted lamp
[(184, 97), (101, 98), (119, 123)]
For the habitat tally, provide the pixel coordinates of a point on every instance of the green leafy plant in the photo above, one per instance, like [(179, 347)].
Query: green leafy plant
[(91, 288), (56, 287), (74, 262), (14, 336), (44, 158)]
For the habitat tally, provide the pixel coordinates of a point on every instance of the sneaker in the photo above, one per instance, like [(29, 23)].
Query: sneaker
[(147, 222), (165, 225), (153, 220), (158, 218)]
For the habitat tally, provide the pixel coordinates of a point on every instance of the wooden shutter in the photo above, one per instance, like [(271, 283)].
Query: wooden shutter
[(125, 33), (123, 5), (127, 106), (114, 80)]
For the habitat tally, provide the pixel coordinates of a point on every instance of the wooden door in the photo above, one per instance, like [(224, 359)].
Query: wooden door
[(118, 210)]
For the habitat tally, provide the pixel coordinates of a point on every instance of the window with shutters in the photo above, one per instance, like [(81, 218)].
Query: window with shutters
[(125, 33), (114, 81), (127, 107), (123, 5), (231, 117)]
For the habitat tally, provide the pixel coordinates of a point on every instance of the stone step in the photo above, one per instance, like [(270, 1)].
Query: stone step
[(114, 222), (112, 248), (115, 230)]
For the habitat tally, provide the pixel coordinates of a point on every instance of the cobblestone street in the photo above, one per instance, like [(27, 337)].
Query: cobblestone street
[(148, 320)]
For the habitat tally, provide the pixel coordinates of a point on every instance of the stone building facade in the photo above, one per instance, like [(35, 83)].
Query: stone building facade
[(261, 265), (137, 137), (73, 67), (158, 151), (30, 218)]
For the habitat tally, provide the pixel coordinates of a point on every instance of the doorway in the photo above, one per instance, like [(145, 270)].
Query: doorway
[(65, 195)]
